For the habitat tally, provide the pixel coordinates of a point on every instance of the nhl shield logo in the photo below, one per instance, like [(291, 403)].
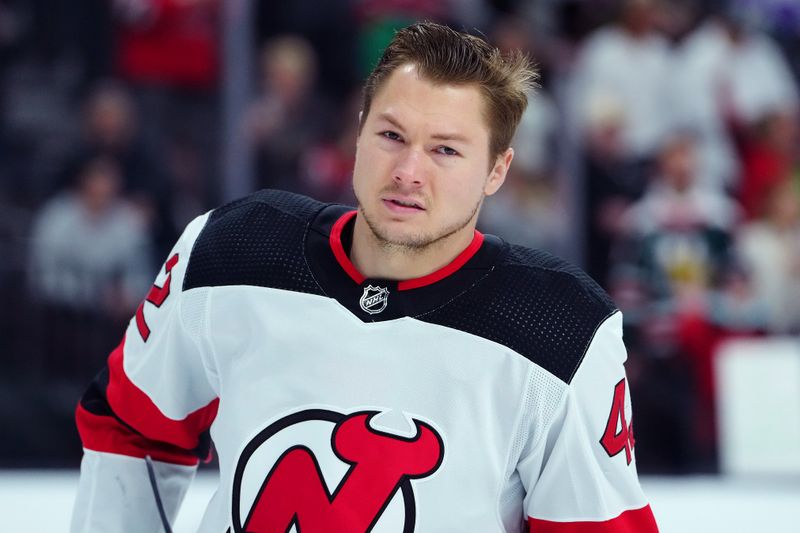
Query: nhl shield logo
[(374, 300)]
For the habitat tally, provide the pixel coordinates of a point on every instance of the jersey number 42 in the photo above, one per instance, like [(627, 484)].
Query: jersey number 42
[(618, 435)]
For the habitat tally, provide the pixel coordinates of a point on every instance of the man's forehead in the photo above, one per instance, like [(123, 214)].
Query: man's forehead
[(453, 109)]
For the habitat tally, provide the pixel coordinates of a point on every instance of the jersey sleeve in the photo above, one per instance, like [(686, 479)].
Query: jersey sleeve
[(580, 476), (144, 421)]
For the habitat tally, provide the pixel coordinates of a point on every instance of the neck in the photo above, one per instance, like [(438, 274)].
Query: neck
[(377, 259)]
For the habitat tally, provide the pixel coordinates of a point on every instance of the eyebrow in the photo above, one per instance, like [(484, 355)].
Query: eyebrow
[(438, 136)]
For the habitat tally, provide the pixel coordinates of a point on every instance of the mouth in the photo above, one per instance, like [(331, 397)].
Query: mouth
[(404, 205)]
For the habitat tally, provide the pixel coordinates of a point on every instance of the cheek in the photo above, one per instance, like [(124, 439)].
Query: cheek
[(459, 191), (359, 170), (358, 187), (371, 167)]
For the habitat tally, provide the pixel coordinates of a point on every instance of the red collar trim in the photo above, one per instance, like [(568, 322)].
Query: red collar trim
[(455, 264), (338, 249), (433, 277)]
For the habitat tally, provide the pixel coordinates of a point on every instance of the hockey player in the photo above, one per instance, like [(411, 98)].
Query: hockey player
[(386, 368)]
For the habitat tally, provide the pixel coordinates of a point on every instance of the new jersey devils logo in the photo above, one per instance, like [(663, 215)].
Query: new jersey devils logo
[(287, 480)]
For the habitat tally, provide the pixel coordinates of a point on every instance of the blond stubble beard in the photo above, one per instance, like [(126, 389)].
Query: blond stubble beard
[(417, 244)]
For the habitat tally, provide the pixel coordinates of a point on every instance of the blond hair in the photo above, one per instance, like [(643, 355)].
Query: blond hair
[(444, 55)]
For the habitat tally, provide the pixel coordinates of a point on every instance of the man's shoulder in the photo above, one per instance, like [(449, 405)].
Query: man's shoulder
[(257, 241), (563, 305), (554, 276), (269, 203), (536, 304)]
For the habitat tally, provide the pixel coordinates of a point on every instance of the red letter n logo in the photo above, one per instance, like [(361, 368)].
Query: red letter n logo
[(294, 492)]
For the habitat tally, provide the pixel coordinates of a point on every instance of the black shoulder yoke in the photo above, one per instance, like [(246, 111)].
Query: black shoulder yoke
[(257, 240), (535, 304)]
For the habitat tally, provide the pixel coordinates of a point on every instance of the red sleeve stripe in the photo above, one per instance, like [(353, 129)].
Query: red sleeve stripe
[(107, 434), (133, 406), (634, 521)]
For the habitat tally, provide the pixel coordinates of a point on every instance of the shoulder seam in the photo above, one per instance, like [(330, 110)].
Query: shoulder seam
[(310, 227), (589, 343), (456, 297), (191, 251)]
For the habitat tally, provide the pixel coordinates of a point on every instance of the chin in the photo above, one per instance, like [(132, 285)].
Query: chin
[(404, 237), (397, 233)]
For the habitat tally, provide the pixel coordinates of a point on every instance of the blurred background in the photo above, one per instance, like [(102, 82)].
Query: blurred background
[(661, 153)]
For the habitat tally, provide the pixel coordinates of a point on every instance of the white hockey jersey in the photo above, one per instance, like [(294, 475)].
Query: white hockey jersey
[(489, 396)]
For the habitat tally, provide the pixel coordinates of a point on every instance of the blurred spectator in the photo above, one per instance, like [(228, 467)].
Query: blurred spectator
[(727, 78), (321, 24), (672, 245), (528, 211), (620, 87), (672, 278), (678, 18), (679, 231), (536, 137), (110, 118), (326, 167), (288, 115), (770, 153), (168, 52), (683, 293), (675, 200), (90, 265), (190, 197), (89, 248), (621, 84), (529, 208), (779, 18), (168, 42), (110, 127), (769, 247)]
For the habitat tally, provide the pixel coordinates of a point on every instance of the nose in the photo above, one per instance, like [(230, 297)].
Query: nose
[(408, 170)]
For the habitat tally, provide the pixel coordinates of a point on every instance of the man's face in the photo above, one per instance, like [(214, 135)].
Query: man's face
[(422, 162)]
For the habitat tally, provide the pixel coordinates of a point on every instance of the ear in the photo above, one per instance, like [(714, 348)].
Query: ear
[(360, 126), (498, 173)]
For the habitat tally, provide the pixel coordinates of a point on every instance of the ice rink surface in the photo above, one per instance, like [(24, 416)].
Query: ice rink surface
[(41, 501)]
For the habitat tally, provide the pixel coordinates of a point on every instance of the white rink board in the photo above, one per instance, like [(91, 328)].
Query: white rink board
[(42, 501), (758, 399)]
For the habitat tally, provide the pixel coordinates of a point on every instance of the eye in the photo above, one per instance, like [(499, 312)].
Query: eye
[(446, 150), (391, 135)]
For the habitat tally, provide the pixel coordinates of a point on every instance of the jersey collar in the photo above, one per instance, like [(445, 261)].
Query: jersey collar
[(344, 261), (328, 240)]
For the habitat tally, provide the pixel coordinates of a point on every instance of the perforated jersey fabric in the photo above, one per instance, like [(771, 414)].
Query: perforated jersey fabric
[(537, 305), (255, 241)]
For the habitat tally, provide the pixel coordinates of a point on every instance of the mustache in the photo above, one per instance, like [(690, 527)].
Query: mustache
[(394, 188)]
